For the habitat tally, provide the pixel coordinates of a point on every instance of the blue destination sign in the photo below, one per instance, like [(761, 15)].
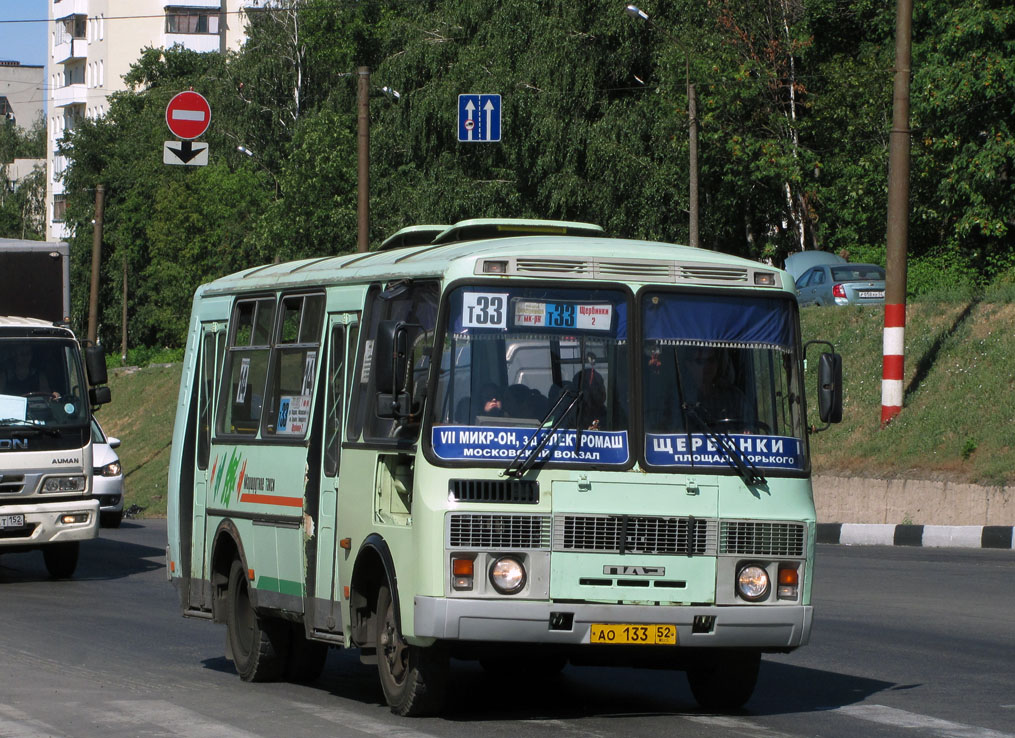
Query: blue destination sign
[(697, 449), (469, 443)]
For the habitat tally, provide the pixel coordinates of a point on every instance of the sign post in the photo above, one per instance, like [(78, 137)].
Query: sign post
[(188, 115)]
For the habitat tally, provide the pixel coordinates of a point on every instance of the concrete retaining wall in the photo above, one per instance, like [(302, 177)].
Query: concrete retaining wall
[(911, 501)]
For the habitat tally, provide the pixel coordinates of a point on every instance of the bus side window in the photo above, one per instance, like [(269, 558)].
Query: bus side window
[(294, 363), (335, 400), (246, 367)]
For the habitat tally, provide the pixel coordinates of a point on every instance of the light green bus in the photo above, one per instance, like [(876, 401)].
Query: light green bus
[(518, 442)]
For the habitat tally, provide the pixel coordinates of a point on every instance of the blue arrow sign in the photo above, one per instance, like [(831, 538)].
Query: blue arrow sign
[(478, 118)]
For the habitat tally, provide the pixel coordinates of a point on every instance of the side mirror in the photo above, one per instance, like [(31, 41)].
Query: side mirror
[(113, 442), (830, 388), (99, 396), (95, 364)]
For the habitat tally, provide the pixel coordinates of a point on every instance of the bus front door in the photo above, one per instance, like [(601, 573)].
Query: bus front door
[(210, 362), (323, 606)]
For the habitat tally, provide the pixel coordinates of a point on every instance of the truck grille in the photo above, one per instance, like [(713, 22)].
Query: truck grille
[(757, 538), (11, 484), (470, 530), (633, 534)]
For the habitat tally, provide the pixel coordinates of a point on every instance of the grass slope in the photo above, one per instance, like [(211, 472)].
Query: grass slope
[(958, 422)]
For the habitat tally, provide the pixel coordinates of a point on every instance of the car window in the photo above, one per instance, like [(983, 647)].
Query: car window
[(97, 435), (804, 278), (819, 277), (857, 272)]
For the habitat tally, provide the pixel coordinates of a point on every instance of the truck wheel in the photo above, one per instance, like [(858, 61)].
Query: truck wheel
[(724, 679), (61, 559), (259, 645), (306, 657), (414, 678)]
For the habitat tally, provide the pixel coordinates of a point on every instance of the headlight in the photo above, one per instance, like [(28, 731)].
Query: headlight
[(109, 470), (507, 575), (752, 583), (64, 484)]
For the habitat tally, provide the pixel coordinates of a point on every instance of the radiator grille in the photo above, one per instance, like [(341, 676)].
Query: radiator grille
[(698, 272), (574, 267), (651, 271), (469, 530), (633, 534), (756, 538), (11, 484), (494, 490)]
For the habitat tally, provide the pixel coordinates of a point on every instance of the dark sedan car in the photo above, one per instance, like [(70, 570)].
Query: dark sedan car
[(842, 284)]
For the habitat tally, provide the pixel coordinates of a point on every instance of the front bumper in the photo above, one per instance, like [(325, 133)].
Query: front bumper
[(529, 622), (42, 523)]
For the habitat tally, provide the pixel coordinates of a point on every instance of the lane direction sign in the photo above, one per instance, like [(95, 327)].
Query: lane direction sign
[(189, 153), (479, 118), (188, 115)]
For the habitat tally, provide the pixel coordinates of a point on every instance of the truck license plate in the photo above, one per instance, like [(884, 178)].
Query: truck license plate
[(12, 521), (652, 634)]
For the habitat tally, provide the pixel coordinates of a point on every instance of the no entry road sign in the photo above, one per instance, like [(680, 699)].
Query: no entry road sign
[(188, 115)]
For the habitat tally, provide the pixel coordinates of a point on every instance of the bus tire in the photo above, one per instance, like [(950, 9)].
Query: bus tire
[(258, 645), (306, 657), (724, 679), (413, 678), (61, 559)]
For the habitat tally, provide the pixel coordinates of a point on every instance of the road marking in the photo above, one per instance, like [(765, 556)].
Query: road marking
[(902, 719), (349, 719), (736, 725), (178, 720), (16, 724)]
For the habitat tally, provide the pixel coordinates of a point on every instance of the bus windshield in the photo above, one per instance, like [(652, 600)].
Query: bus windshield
[(721, 379), (523, 365), (41, 383)]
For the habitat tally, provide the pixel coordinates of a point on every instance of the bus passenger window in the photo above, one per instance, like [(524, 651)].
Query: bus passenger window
[(246, 367), (294, 367)]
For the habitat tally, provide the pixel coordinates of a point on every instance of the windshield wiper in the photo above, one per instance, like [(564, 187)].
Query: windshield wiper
[(727, 446), (24, 426), (525, 461)]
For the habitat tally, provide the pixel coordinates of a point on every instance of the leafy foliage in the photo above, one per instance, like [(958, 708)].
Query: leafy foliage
[(794, 111)]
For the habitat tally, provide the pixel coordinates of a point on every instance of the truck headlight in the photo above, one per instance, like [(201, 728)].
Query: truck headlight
[(753, 583), (64, 484), (507, 575)]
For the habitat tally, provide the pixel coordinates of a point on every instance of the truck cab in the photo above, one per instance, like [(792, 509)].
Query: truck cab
[(45, 441)]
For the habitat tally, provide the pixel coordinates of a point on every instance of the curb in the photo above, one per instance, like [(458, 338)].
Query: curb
[(941, 536)]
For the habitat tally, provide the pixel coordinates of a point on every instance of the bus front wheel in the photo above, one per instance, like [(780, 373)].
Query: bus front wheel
[(724, 679), (414, 679), (259, 646)]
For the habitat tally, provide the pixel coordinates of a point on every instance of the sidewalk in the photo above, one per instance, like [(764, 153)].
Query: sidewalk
[(913, 512)]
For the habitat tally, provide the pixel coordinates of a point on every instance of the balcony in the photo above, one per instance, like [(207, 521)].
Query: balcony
[(65, 8), (214, 4), (69, 50), (70, 95), (200, 42)]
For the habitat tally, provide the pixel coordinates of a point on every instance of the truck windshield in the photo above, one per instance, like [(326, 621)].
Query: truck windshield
[(519, 361), (41, 383), (721, 379)]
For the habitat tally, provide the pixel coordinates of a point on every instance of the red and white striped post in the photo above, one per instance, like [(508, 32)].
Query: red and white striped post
[(894, 356), (898, 220)]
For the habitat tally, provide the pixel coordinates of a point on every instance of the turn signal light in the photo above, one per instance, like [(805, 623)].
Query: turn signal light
[(462, 572), (789, 581)]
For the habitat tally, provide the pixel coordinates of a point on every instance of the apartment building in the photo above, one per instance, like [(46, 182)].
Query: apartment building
[(21, 92), (92, 44)]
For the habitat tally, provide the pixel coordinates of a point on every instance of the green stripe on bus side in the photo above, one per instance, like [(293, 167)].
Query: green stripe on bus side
[(282, 586)]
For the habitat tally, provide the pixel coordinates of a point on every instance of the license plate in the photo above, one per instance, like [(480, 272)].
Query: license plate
[(871, 293), (638, 634), (12, 521)]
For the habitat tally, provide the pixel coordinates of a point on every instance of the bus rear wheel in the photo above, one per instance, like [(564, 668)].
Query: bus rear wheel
[(413, 678), (259, 646), (724, 679), (61, 559)]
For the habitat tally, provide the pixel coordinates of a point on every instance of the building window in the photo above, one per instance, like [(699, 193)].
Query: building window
[(5, 107), (186, 20), (59, 208)]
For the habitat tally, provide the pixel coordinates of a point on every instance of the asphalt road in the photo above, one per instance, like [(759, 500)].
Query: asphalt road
[(907, 642)]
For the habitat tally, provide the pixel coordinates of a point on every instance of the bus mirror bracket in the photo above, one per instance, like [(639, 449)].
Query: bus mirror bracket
[(391, 354), (829, 386)]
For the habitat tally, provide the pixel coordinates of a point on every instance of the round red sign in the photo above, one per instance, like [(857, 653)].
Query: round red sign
[(188, 115)]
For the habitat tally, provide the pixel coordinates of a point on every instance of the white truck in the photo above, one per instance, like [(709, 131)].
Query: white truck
[(46, 408)]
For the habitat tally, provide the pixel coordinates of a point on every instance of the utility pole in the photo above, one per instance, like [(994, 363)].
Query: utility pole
[(93, 299), (897, 236), (123, 317), (363, 140)]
